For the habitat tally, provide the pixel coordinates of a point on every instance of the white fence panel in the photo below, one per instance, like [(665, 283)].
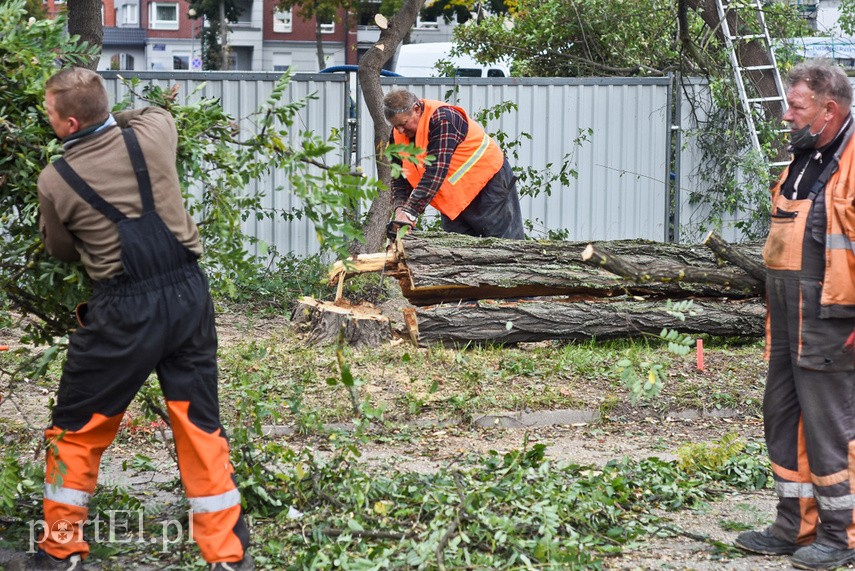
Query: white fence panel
[(622, 185)]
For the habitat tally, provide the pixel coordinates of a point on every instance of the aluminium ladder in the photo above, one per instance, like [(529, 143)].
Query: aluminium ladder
[(751, 105)]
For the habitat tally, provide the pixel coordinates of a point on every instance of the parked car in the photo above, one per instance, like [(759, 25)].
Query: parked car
[(420, 60)]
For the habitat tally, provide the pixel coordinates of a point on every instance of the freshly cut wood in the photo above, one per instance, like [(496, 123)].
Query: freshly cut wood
[(379, 261), (514, 322), (735, 278), (748, 261), (440, 267), (362, 325)]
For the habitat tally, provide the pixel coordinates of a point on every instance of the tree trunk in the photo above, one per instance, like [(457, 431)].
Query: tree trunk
[(319, 41), (84, 20), (538, 321), (440, 267), (391, 35), (728, 252), (224, 38), (730, 278)]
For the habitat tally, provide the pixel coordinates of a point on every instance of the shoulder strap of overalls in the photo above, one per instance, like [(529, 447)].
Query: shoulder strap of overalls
[(85, 191), (140, 170), (82, 188), (831, 168)]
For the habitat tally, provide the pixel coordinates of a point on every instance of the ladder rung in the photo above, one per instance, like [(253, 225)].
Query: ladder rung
[(780, 163), (726, 6), (759, 99), (757, 67), (748, 37)]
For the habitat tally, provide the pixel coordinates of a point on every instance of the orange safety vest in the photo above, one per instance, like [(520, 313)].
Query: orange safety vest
[(838, 287), (474, 162)]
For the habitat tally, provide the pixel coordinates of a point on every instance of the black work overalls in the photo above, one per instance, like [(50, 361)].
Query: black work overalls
[(809, 401), (156, 316)]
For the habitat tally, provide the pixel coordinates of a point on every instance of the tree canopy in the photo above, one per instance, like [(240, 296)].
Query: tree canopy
[(571, 38)]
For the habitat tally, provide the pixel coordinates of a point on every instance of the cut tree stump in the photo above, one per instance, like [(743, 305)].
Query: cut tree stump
[(361, 325), (514, 322)]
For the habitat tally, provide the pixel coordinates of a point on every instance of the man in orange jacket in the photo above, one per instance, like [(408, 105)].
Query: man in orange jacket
[(469, 180), (113, 202), (808, 411)]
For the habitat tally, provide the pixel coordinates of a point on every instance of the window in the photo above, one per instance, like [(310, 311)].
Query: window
[(244, 18), (163, 16), (328, 27), (282, 21), (281, 62), (427, 23), (122, 61), (129, 14), (180, 62)]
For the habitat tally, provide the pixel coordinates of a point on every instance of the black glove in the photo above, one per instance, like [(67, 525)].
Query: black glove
[(393, 226)]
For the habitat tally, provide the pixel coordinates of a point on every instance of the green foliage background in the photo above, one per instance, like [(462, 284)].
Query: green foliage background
[(217, 159)]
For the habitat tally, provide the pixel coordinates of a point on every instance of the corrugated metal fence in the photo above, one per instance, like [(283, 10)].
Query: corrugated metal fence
[(623, 188)]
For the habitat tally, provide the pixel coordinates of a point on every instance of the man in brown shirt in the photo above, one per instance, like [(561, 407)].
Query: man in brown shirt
[(114, 203)]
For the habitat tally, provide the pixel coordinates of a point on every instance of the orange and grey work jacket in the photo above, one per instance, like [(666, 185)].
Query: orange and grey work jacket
[(838, 289), (474, 162)]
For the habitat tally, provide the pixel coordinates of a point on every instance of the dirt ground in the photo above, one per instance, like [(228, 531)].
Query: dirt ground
[(579, 435)]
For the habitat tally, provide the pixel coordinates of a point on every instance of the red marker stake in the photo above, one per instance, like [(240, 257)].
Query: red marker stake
[(700, 354)]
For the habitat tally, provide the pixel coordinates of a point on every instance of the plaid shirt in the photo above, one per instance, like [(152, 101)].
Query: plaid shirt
[(447, 129)]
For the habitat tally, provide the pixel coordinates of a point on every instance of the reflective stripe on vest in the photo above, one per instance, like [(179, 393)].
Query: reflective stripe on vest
[(793, 490), (220, 502), (838, 242), (836, 502), (67, 496), (464, 168)]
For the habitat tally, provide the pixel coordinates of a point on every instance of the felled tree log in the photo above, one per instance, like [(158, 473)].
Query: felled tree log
[(734, 278), (748, 261), (363, 325), (497, 322), (443, 267)]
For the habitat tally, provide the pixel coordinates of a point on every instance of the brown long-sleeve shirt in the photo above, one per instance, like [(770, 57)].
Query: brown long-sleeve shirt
[(73, 230)]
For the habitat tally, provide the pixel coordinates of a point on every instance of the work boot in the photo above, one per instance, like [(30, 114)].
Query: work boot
[(819, 556), (245, 564), (41, 561), (765, 543)]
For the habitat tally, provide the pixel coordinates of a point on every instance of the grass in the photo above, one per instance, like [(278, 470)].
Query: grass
[(269, 375), (446, 382)]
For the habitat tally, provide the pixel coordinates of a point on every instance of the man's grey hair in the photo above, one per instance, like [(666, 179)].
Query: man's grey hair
[(824, 79), (398, 101)]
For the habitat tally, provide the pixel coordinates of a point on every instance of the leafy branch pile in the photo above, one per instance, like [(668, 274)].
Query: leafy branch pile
[(509, 511)]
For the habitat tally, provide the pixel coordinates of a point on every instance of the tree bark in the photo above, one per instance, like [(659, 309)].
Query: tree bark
[(494, 322), (391, 35), (734, 278), (84, 20), (449, 267), (738, 258), (319, 43)]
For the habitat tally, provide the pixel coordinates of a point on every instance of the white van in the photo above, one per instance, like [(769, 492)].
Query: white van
[(419, 60)]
